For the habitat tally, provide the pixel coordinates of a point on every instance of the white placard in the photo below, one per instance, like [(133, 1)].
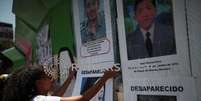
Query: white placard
[(194, 30), (160, 89), (198, 91), (44, 46), (93, 30), (65, 63), (87, 78), (169, 54)]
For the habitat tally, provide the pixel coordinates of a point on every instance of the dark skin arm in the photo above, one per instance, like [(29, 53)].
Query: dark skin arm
[(91, 92), (62, 89)]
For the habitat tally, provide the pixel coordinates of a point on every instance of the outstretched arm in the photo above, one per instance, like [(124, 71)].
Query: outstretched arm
[(62, 89), (91, 92)]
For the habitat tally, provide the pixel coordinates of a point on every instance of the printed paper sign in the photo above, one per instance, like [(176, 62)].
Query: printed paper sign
[(93, 28), (160, 89), (156, 45)]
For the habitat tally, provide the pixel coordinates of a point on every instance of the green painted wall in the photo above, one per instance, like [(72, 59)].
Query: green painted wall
[(32, 14), (15, 56), (61, 27)]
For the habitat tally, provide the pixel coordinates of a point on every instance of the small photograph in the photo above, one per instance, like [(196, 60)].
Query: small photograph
[(88, 82), (156, 98), (92, 20), (149, 28)]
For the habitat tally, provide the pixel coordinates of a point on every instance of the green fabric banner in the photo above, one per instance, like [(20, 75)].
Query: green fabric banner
[(31, 11), (50, 3), (31, 15), (15, 56)]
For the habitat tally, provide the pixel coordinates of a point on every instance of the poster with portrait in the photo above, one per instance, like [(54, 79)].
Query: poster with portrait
[(93, 31), (160, 89), (87, 78), (153, 38)]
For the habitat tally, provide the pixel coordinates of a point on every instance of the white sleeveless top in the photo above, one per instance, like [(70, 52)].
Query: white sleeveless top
[(46, 98)]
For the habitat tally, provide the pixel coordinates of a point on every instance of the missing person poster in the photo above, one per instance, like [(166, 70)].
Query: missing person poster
[(87, 78), (153, 37), (160, 89), (93, 30), (94, 45)]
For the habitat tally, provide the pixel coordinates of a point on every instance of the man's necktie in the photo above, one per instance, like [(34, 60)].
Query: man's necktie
[(149, 45), (92, 36)]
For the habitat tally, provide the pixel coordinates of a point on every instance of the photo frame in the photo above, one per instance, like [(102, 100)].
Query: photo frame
[(66, 61), (93, 31)]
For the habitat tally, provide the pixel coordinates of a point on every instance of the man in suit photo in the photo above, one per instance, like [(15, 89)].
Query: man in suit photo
[(154, 34)]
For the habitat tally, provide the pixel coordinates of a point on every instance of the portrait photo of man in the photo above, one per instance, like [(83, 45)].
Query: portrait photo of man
[(92, 27), (154, 32)]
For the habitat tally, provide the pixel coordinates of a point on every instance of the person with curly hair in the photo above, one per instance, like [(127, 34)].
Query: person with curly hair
[(33, 84)]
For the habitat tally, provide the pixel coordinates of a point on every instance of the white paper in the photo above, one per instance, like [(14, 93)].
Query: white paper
[(194, 30), (93, 47), (90, 77), (44, 46), (161, 65), (160, 89), (64, 66)]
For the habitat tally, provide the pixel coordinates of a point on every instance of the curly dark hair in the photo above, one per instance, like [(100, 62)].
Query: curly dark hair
[(21, 84)]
